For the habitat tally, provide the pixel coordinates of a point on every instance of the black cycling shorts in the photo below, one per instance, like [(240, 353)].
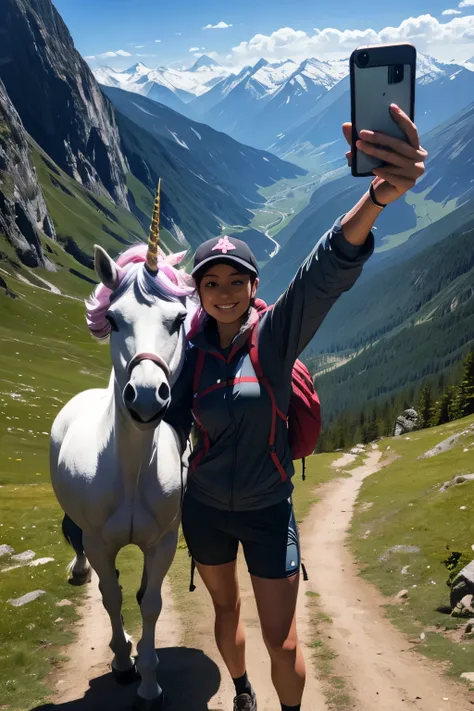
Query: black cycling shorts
[(269, 537)]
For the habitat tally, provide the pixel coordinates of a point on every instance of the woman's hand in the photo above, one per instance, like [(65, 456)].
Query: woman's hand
[(404, 161)]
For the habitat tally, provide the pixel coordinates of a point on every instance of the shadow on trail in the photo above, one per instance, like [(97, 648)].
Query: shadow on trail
[(188, 678)]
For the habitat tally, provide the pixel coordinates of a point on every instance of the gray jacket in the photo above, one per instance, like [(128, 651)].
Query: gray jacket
[(232, 466)]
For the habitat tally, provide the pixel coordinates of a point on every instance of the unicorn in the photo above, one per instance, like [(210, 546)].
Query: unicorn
[(116, 465)]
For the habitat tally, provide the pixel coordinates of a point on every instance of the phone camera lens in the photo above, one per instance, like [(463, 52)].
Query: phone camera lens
[(363, 59)]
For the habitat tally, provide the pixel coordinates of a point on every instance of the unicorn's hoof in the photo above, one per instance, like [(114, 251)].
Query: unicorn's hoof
[(78, 579), (124, 678), (149, 704)]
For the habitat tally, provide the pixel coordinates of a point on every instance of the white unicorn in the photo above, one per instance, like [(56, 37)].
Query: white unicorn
[(116, 466)]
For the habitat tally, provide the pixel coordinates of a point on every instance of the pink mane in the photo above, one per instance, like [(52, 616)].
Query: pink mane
[(168, 280)]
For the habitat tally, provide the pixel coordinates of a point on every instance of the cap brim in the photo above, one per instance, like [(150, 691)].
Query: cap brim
[(224, 258)]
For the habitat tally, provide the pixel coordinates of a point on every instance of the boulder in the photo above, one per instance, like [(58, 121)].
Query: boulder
[(406, 422), (462, 479), (462, 586)]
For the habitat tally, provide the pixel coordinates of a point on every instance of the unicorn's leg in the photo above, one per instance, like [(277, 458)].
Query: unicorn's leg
[(79, 569), (102, 560), (157, 563)]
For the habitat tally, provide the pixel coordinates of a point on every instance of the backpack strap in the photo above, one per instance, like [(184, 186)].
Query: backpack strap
[(201, 357), (276, 412)]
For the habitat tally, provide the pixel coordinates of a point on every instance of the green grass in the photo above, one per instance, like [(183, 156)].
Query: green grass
[(408, 509), (427, 212), (84, 217), (47, 357)]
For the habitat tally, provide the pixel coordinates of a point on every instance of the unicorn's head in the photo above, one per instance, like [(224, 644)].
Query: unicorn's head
[(142, 305)]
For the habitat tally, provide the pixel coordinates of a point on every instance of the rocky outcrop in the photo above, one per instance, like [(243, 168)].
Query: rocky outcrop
[(406, 422), (22, 206), (58, 99)]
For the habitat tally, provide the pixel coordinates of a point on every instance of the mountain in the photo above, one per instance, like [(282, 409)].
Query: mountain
[(58, 99), (441, 91), (222, 177), (416, 321), (203, 63), (22, 206), (174, 87)]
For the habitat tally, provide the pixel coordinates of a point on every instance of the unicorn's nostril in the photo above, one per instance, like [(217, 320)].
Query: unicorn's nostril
[(164, 391), (129, 394)]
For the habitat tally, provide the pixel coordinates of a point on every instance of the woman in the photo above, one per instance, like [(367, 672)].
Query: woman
[(236, 493)]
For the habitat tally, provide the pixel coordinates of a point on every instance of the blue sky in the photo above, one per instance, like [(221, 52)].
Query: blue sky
[(271, 28)]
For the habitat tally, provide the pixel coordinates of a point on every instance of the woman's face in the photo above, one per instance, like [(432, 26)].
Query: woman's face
[(226, 293)]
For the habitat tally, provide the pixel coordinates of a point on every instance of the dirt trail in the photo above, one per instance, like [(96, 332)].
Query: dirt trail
[(258, 663), (373, 656)]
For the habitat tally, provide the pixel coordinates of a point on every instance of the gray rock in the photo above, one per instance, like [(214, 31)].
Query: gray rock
[(446, 444), (6, 550), (469, 676), (406, 422), (25, 599), (64, 603), (40, 561), (24, 557), (23, 208), (61, 105), (457, 480), (469, 627), (402, 595)]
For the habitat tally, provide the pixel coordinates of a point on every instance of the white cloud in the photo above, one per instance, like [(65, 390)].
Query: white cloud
[(179, 34), (451, 12), (194, 49), (220, 26), (138, 46), (119, 53), (425, 31), (91, 56), (466, 3), (157, 40)]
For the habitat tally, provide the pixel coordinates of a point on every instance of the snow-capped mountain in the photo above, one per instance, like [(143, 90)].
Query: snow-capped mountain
[(441, 91), (185, 84), (291, 109)]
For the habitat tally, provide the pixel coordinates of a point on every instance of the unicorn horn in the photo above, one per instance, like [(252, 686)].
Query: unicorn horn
[(154, 236)]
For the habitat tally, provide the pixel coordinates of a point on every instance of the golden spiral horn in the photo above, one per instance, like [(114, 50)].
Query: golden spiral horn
[(154, 235)]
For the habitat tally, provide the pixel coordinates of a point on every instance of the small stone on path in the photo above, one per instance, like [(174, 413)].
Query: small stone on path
[(469, 676), (64, 603), (25, 599)]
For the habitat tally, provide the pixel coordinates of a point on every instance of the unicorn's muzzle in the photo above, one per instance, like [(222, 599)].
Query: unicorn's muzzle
[(147, 394)]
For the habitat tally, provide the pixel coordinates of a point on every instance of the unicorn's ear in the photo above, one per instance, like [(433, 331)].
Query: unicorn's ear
[(106, 268)]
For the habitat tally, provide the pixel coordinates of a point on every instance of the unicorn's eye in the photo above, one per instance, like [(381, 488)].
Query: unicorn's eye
[(178, 322), (112, 322)]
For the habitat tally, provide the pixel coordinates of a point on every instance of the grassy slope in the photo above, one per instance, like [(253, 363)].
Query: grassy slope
[(47, 357), (408, 509)]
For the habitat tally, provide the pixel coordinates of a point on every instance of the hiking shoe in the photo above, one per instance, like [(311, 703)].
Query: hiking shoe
[(245, 702)]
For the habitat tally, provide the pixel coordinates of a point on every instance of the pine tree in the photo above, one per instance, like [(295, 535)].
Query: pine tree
[(425, 407), (442, 408), (467, 384)]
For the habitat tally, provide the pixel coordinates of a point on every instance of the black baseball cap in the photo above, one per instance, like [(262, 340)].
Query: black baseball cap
[(225, 249)]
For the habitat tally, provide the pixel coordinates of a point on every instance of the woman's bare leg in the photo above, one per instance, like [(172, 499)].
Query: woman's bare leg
[(276, 603)]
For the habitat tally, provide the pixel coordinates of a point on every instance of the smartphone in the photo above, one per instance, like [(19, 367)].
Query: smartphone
[(380, 75)]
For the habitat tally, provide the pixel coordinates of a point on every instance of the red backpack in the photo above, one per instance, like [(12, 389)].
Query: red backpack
[(304, 412)]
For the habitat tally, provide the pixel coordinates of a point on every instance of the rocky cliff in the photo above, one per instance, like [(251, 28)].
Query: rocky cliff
[(22, 207), (58, 99)]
